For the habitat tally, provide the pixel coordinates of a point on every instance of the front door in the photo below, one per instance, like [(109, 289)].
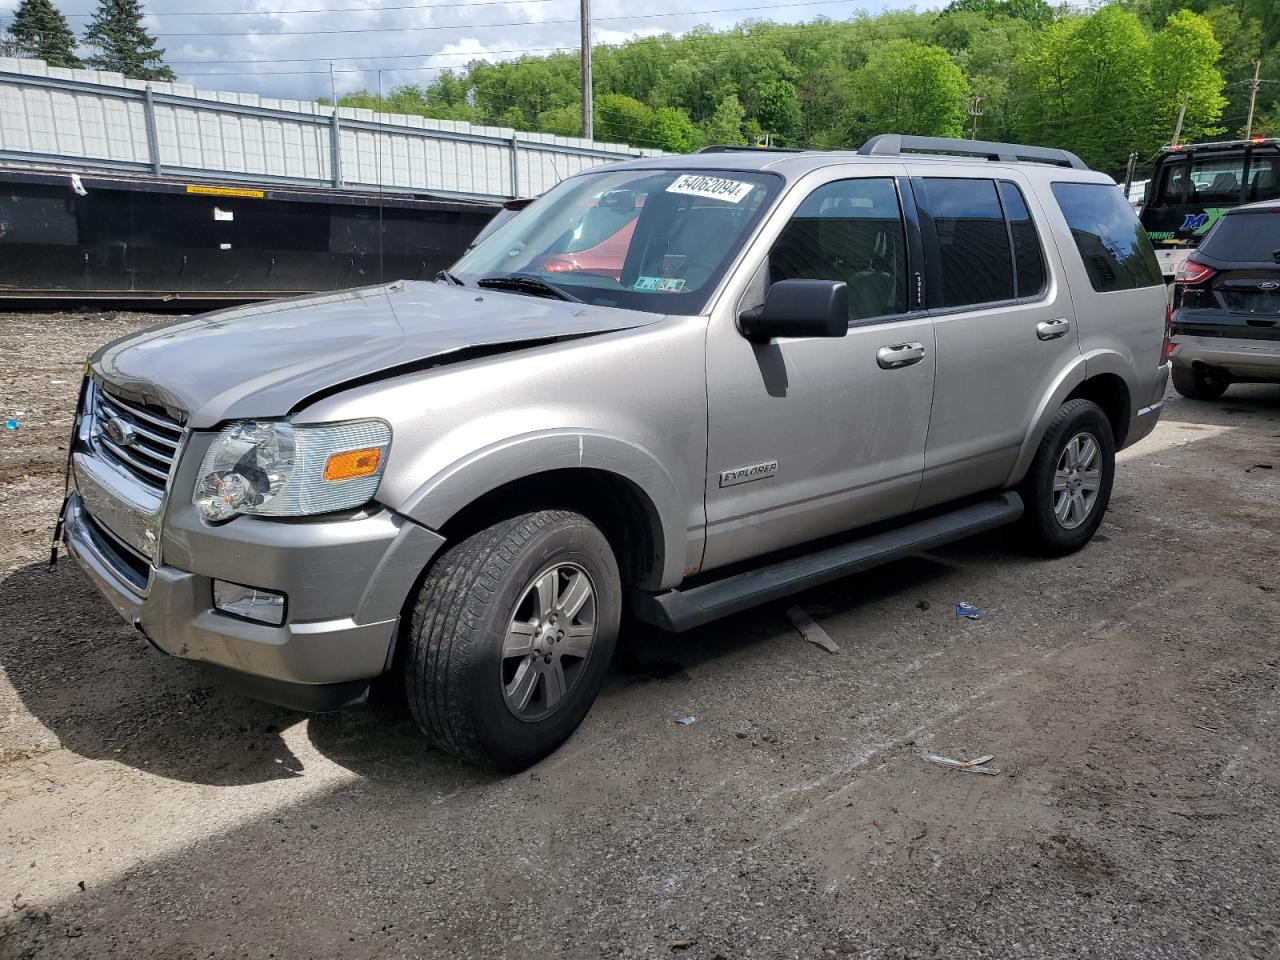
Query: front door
[(812, 436)]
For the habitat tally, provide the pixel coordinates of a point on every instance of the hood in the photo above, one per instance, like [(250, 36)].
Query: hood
[(266, 359)]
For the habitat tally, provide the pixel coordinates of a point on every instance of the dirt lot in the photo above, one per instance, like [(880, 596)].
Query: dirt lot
[(1129, 695)]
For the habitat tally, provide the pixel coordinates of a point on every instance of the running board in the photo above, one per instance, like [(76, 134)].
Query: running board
[(679, 610)]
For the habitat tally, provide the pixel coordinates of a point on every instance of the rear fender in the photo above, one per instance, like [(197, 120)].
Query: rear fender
[(1070, 377)]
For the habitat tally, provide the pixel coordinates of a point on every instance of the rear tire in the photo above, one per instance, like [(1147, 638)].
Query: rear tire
[(1068, 487), (1200, 382), (511, 638)]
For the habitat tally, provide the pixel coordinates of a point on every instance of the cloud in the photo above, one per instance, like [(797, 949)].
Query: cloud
[(285, 52)]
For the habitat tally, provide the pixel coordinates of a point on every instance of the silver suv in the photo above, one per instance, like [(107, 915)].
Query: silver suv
[(682, 386)]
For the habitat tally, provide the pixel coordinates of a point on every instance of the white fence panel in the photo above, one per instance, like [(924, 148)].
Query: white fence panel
[(91, 118)]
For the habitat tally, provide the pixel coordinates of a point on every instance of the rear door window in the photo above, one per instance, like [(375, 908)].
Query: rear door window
[(1244, 237), (1116, 252), (973, 242)]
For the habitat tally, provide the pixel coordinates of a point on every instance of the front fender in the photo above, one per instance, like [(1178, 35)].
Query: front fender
[(462, 482), (1070, 377)]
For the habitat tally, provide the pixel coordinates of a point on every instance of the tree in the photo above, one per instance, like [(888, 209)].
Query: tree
[(122, 45), (1184, 58), (778, 109), (562, 121), (39, 30), (912, 88), (622, 119), (1086, 86), (725, 125), (672, 130)]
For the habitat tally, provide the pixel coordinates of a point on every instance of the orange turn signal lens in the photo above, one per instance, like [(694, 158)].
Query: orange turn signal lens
[(352, 464)]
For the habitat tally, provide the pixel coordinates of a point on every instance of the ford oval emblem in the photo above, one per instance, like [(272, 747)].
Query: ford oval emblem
[(1269, 285), (120, 431)]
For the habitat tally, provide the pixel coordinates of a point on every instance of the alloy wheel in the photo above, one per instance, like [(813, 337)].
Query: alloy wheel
[(1077, 480), (548, 641)]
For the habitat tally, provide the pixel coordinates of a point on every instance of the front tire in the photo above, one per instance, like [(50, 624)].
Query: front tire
[(511, 638), (1199, 382), (1068, 486)]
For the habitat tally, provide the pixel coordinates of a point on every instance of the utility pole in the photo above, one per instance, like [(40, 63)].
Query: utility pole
[(1182, 113), (1253, 98), (1128, 173), (586, 70), (975, 113)]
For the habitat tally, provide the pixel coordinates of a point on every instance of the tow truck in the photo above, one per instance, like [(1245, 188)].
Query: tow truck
[(1192, 185)]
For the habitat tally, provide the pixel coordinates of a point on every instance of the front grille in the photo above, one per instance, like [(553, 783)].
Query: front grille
[(143, 440)]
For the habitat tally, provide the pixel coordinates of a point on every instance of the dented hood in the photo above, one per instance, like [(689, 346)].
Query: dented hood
[(264, 360)]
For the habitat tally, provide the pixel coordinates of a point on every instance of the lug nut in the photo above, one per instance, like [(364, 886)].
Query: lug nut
[(547, 658)]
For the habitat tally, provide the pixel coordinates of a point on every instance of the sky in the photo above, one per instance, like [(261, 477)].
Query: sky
[(283, 48)]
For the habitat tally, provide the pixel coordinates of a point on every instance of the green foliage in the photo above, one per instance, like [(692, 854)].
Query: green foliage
[(562, 121), (39, 30), (1102, 83), (622, 119), (672, 130), (725, 125), (912, 88), (1184, 56), (121, 43)]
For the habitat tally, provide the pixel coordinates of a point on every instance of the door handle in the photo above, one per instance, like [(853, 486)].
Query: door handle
[(900, 355), (1053, 329)]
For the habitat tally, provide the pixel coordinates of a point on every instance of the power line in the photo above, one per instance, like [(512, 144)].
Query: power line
[(368, 56), (508, 23), (792, 30), (289, 13)]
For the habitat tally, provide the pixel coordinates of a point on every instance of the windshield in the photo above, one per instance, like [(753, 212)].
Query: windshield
[(1217, 180), (654, 240)]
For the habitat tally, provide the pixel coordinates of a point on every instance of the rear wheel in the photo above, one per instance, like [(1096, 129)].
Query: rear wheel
[(1068, 486), (511, 638), (1200, 382)]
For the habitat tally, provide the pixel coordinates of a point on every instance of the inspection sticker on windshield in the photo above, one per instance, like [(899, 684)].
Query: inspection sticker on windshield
[(660, 284), (713, 188)]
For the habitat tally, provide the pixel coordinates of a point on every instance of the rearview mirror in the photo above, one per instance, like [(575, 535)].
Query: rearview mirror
[(799, 308)]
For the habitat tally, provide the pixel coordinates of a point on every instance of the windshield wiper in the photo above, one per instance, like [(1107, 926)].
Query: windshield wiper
[(527, 283), (448, 277)]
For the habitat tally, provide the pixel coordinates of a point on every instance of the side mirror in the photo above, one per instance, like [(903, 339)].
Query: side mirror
[(799, 308)]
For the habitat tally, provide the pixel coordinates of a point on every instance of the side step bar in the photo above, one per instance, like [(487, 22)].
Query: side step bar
[(679, 610)]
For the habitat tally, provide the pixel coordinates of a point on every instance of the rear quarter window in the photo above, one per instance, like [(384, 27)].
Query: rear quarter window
[(1116, 252), (1244, 237)]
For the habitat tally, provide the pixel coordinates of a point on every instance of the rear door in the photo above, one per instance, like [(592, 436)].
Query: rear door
[(1003, 324)]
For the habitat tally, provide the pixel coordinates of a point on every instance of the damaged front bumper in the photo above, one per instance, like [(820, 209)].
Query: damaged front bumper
[(346, 581)]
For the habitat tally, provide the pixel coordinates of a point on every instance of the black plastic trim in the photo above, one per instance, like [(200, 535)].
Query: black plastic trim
[(684, 609), (308, 697)]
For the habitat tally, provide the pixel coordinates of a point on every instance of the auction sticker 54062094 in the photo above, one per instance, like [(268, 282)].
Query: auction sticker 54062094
[(712, 188)]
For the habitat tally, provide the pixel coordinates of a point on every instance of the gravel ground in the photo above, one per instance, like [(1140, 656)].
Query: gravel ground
[(1129, 695)]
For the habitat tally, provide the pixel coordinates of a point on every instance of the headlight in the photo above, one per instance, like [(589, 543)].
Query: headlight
[(274, 469)]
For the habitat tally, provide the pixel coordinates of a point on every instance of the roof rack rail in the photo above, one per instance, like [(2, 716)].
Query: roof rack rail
[(894, 144), (744, 148)]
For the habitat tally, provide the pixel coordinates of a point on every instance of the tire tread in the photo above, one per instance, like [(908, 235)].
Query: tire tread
[(446, 624)]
